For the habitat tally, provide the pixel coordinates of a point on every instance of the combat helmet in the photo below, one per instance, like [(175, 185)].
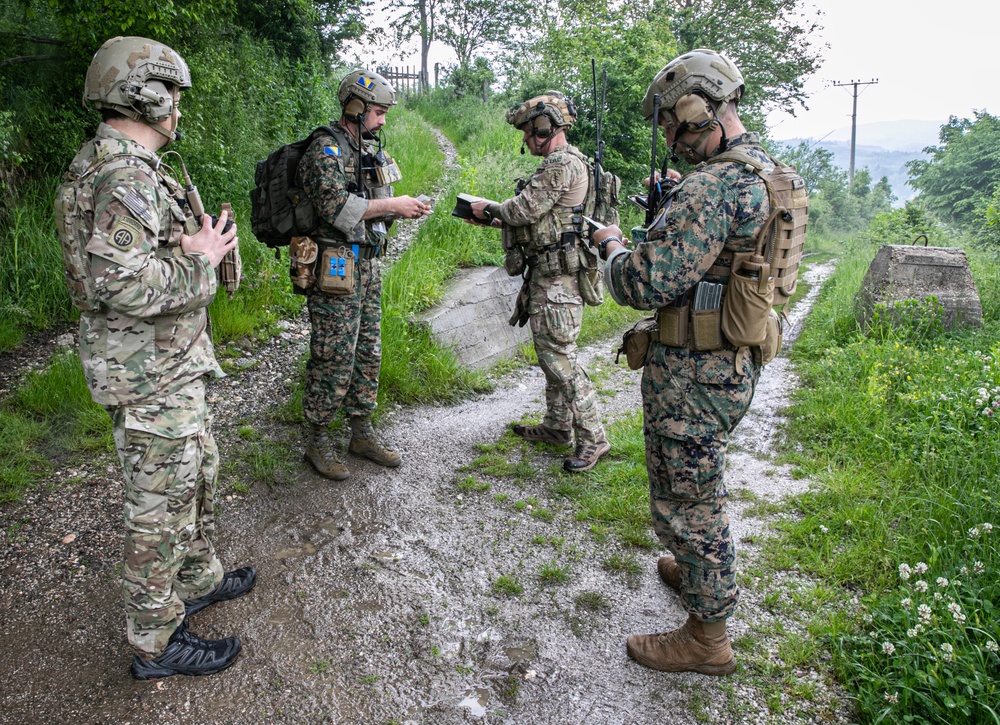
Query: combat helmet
[(553, 105), (362, 88), (708, 72), (131, 75)]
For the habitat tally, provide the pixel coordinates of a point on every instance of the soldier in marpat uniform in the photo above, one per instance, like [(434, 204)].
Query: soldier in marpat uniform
[(694, 391), (143, 284), (348, 179), (544, 220)]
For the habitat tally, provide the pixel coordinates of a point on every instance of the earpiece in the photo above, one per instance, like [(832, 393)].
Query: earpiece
[(355, 110)]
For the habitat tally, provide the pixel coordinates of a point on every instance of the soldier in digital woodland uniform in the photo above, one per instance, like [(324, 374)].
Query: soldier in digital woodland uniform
[(348, 179), (545, 217), (692, 400), (143, 285)]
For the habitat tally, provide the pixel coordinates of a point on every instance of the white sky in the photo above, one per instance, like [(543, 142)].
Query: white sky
[(931, 59)]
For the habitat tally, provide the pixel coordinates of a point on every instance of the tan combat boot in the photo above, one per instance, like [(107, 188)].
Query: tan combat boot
[(322, 454), (693, 647), (364, 443), (586, 456), (669, 571)]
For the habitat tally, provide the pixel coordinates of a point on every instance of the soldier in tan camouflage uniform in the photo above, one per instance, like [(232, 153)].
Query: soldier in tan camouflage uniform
[(545, 217), (693, 397), (349, 182), (143, 284)]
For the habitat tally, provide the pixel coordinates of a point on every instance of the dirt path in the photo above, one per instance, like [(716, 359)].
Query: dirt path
[(376, 599)]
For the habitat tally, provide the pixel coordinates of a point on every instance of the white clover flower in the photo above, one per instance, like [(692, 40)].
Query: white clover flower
[(906, 603), (892, 698), (942, 582), (920, 586), (938, 596), (823, 529), (888, 648), (904, 571), (978, 567), (959, 618), (992, 646), (873, 634), (920, 568), (947, 652), (924, 612), (973, 532), (987, 528), (964, 571), (867, 618), (912, 632)]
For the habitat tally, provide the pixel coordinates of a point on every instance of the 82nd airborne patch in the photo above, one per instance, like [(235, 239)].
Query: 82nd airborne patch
[(126, 233)]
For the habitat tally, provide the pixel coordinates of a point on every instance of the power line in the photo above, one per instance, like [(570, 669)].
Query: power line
[(854, 118)]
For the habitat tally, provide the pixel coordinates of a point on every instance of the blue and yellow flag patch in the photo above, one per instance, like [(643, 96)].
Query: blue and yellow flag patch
[(367, 83), (331, 150)]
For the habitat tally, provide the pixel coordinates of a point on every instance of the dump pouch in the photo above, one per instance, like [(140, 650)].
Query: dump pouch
[(336, 272), (520, 315), (589, 277), (636, 342), (772, 338), (748, 299)]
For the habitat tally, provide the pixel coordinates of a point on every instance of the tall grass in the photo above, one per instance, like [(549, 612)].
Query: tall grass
[(899, 424)]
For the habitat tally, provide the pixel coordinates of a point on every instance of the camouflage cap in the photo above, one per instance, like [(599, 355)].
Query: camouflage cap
[(553, 104), (131, 76), (702, 70), (368, 87)]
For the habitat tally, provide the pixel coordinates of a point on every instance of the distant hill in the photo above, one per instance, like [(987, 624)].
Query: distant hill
[(883, 147)]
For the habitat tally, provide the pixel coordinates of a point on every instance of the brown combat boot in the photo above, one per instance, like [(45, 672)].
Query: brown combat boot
[(542, 433), (586, 456), (669, 571), (322, 454), (693, 647), (364, 443)]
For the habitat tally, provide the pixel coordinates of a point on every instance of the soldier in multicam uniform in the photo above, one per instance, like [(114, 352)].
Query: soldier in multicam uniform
[(349, 184), (692, 400), (545, 217), (143, 285)]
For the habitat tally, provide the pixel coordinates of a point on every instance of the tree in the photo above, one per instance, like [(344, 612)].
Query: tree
[(417, 17), (963, 173), (469, 26)]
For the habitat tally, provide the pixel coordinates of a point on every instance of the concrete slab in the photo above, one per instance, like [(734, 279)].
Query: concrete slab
[(472, 317)]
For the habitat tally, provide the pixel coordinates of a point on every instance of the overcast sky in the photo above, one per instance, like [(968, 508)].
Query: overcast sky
[(931, 59)]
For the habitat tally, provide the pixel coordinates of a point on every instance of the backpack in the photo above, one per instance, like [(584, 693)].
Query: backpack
[(279, 210), (784, 233)]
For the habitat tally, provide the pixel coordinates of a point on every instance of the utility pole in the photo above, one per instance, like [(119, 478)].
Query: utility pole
[(854, 120)]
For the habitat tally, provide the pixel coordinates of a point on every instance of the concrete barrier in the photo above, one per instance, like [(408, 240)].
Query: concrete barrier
[(472, 317), (899, 273)]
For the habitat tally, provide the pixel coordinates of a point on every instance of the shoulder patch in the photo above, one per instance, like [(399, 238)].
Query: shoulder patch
[(126, 233), (332, 150), (135, 203)]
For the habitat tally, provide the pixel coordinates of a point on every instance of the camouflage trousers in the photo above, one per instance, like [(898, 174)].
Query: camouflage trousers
[(170, 521), (345, 349), (692, 401), (556, 314)]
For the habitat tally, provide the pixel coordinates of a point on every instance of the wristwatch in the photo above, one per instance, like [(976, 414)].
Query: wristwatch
[(602, 246)]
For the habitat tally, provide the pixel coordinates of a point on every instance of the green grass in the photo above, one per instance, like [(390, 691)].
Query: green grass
[(507, 585)]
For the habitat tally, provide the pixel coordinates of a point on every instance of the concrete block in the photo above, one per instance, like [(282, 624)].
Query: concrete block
[(900, 273), (472, 317)]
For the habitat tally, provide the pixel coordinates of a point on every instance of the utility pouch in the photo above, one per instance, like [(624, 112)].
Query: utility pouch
[(569, 260), (302, 254), (772, 338), (748, 299), (636, 342), (513, 260), (589, 277), (673, 324), (388, 174), (336, 272)]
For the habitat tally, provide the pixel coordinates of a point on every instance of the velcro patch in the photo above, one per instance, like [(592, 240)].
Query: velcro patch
[(331, 150), (135, 203), (126, 233)]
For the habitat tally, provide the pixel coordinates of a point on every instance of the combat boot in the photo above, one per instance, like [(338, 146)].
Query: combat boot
[(188, 654), (693, 647), (586, 456), (364, 443), (543, 434), (322, 454), (669, 571)]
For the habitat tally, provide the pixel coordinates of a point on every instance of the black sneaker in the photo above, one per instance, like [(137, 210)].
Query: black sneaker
[(188, 654), (233, 585)]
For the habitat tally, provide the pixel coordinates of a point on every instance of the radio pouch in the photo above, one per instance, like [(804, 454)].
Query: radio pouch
[(336, 272), (636, 342)]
